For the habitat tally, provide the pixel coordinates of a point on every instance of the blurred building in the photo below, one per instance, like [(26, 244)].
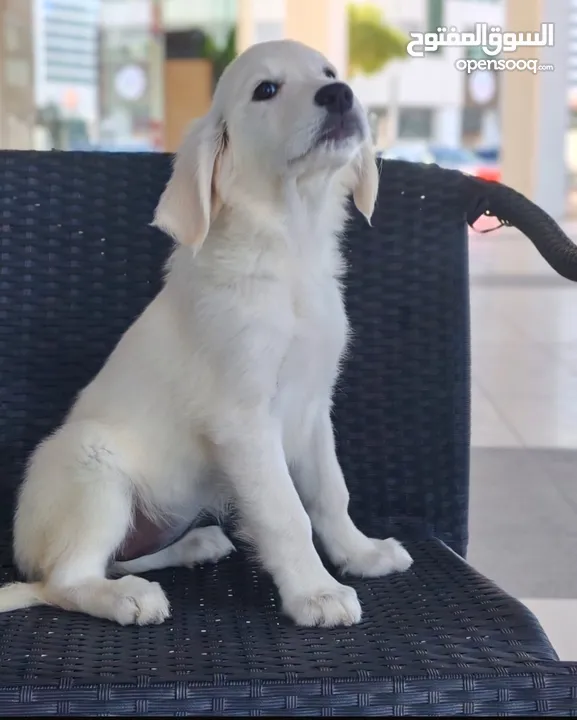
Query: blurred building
[(17, 107), (159, 59), (572, 60), (130, 64), (427, 99), (66, 70), (321, 24), (571, 147), (417, 99), (199, 41), (131, 74)]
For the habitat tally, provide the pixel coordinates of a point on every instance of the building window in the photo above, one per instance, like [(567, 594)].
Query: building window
[(435, 16), (472, 121), (415, 123)]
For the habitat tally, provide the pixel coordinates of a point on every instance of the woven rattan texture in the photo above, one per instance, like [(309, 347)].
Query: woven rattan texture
[(440, 633), (79, 262)]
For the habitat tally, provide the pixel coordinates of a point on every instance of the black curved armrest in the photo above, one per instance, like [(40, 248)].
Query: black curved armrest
[(485, 197)]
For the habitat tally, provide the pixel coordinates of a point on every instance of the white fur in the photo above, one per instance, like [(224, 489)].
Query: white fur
[(220, 392)]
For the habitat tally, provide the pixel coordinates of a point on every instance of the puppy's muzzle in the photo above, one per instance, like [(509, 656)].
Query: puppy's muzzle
[(342, 121), (337, 98)]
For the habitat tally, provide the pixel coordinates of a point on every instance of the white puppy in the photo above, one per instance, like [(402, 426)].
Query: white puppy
[(219, 394)]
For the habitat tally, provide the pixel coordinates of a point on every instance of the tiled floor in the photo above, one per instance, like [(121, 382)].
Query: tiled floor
[(524, 456)]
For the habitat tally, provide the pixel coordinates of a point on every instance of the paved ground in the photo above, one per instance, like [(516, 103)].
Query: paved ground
[(524, 455)]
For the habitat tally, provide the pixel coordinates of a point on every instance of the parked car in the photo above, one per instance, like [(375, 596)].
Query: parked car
[(136, 147), (466, 161), (488, 154)]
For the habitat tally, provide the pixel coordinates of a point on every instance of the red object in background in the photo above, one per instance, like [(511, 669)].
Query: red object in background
[(489, 173), (156, 135), (484, 224), (156, 18)]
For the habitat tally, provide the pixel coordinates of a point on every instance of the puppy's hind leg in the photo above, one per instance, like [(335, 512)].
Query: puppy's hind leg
[(198, 546), (75, 509)]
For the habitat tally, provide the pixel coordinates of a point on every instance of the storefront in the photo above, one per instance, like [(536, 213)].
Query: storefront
[(159, 60)]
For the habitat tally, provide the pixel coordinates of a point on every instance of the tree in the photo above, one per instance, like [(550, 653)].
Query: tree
[(220, 56), (372, 43)]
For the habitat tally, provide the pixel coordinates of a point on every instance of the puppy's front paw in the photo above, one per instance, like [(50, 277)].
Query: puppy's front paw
[(327, 607), (382, 557), (137, 601)]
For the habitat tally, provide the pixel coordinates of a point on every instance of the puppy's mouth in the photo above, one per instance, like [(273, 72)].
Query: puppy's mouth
[(338, 130), (335, 133)]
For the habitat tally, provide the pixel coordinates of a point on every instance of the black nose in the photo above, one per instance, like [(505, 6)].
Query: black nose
[(336, 97)]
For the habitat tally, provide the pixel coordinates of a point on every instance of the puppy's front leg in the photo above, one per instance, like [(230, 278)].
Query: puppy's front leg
[(321, 485), (273, 517)]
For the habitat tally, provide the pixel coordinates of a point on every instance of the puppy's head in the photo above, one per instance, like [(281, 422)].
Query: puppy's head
[(279, 112)]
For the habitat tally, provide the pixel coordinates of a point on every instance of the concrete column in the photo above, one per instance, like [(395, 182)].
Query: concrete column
[(245, 25), (16, 75), (534, 108), (322, 24), (447, 127)]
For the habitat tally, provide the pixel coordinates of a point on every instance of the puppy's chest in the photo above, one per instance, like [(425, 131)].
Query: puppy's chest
[(319, 331)]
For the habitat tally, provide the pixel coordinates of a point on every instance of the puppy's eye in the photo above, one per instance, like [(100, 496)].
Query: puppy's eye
[(266, 90), (329, 73)]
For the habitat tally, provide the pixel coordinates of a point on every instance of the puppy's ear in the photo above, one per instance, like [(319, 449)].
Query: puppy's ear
[(366, 184), (190, 201)]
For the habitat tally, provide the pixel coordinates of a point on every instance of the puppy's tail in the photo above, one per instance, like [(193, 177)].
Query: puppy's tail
[(20, 595)]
